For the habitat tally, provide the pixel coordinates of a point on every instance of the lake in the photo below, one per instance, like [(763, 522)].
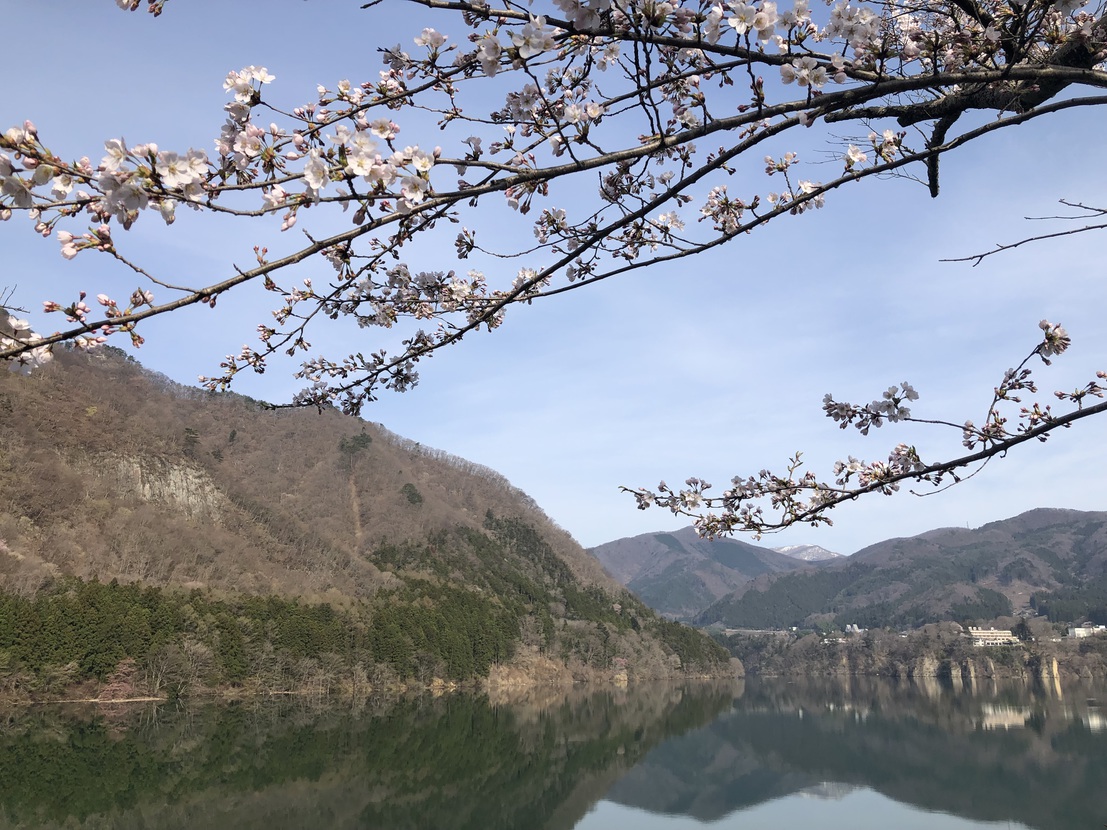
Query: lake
[(830, 754)]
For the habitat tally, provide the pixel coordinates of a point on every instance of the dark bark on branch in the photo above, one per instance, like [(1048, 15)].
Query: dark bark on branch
[(1023, 96), (1074, 53), (937, 138)]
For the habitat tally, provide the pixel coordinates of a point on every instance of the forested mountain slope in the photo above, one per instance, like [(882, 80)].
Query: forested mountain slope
[(434, 566), (679, 574), (1053, 561)]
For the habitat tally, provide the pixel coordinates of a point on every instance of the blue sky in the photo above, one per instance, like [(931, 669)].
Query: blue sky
[(710, 367)]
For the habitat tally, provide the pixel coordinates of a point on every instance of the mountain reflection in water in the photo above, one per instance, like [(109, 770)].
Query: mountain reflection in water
[(842, 753)]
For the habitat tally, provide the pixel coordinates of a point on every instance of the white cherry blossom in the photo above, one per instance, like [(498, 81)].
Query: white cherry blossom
[(534, 38)]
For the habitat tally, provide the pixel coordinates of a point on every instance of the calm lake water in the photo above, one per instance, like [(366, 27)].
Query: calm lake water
[(837, 754)]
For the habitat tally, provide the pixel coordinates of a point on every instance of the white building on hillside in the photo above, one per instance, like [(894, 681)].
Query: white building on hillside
[(992, 637), (1087, 630)]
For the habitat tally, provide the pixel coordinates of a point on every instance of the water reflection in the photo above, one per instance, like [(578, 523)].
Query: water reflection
[(829, 754), (997, 754), (856, 810), (457, 761)]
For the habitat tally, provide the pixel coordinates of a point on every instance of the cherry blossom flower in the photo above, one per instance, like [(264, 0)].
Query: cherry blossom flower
[(854, 156), (17, 191), (488, 54), (533, 39), (1056, 339), (805, 71), (431, 39), (742, 16), (316, 173)]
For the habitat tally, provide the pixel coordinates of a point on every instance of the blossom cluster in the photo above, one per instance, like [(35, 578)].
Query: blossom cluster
[(17, 332), (127, 181), (890, 407)]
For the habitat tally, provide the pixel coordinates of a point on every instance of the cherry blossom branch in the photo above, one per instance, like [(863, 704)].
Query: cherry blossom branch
[(792, 498), (815, 195), (911, 61), (782, 491)]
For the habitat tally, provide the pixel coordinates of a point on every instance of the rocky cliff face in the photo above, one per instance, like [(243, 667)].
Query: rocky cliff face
[(184, 488)]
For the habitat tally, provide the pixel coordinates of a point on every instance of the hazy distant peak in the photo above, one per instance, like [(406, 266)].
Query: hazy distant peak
[(808, 553)]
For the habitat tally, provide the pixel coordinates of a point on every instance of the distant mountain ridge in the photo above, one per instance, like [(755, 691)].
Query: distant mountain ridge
[(680, 574), (1049, 561)]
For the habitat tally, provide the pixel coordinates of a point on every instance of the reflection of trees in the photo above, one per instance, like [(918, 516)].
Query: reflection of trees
[(542, 761), (993, 754), (455, 762)]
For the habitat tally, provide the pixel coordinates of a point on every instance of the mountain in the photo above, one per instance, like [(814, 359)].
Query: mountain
[(808, 553), (113, 477), (1049, 560), (679, 574), (111, 471)]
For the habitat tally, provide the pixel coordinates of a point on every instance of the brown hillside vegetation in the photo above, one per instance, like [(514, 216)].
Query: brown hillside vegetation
[(110, 471)]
